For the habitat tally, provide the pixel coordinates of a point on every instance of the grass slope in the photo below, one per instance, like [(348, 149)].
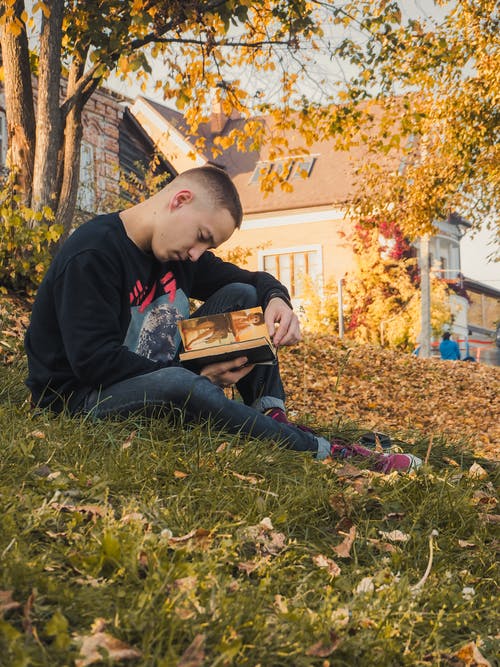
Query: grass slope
[(154, 544)]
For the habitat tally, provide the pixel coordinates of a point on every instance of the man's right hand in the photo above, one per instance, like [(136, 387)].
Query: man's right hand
[(226, 373)]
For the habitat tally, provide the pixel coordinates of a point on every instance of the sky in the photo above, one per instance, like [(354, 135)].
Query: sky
[(474, 259)]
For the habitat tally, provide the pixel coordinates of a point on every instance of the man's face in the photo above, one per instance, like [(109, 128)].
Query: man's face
[(190, 227)]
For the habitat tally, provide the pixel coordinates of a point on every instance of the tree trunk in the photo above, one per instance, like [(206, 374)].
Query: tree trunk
[(70, 165), (49, 126), (19, 100), (79, 91)]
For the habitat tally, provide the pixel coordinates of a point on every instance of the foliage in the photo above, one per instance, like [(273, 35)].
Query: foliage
[(185, 546), (319, 310), (435, 88), (143, 182), (238, 255), (381, 300), (25, 250), (383, 303), (202, 46), (435, 117)]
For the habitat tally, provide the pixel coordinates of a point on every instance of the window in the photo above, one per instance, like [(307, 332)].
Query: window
[(285, 168), (290, 266), (3, 138), (86, 190), (303, 167), (261, 170)]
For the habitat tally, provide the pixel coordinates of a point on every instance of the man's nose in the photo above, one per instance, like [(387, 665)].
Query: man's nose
[(196, 252)]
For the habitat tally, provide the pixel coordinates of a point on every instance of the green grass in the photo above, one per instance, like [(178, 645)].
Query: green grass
[(88, 516)]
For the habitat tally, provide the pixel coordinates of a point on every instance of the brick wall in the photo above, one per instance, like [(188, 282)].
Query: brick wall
[(101, 120)]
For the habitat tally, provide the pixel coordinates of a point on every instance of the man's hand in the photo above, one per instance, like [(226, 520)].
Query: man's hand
[(288, 330), (226, 373)]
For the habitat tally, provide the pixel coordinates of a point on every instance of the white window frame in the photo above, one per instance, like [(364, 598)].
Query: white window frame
[(86, 198), (315, 248)]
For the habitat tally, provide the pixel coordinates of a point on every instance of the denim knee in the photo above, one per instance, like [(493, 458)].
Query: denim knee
[(242, 294)]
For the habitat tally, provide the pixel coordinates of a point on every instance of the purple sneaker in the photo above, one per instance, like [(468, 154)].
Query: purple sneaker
[(279, 415), (385, 463)]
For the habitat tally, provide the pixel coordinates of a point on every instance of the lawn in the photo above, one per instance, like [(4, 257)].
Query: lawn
[(148, 543)]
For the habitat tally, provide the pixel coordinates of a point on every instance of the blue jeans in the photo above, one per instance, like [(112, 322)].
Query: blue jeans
[(176, 388)]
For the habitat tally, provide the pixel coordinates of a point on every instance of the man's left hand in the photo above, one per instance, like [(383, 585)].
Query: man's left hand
[(287, 331)]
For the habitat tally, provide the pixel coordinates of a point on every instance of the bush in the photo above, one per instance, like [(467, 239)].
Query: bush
[(27, 239)]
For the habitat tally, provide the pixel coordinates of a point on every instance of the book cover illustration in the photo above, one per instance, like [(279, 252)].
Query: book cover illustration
[(226, 335)]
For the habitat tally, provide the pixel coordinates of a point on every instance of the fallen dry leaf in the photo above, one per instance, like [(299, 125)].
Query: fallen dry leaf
[(251, 479), (93, 510), (280, 604), (266, 523), (186, 584), (37, 434), (366, 585), (451, 462), (7, 603), (250, 566), (484, 499), (327, 563), (179, 474), (100, 643), (128, 441), (343, 550), (394, 535), (339, 504), (382, 546), (477, 472), (324, 649), (472, 656), (262, 538), (197, 534), (194, 655), (465, 544)]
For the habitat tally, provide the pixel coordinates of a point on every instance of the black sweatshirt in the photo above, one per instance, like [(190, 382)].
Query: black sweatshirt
[(106, 311)]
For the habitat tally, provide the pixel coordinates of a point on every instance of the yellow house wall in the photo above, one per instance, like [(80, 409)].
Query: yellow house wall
[(337, 256), (484, 311)]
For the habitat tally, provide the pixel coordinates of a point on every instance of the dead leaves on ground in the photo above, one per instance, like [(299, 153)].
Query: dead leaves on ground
[(101, 644), (384, 389), (14, 320)]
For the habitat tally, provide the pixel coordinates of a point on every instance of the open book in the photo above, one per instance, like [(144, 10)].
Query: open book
[(225, 336)]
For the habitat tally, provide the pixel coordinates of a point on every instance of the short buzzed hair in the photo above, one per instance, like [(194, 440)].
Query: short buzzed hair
[(218, 183)]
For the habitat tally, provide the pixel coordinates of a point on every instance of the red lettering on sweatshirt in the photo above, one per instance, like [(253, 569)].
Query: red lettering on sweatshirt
[(169, 285)]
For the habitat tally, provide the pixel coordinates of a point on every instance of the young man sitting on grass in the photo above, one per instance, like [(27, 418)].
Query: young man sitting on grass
[(103, 337)]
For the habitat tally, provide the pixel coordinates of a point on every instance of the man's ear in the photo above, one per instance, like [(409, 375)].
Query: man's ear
[(180, 198)]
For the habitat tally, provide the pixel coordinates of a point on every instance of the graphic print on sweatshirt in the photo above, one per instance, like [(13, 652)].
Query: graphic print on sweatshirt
[(154, 313)]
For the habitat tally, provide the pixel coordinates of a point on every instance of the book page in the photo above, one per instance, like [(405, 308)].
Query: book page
[(201, 332), (249, 324)]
